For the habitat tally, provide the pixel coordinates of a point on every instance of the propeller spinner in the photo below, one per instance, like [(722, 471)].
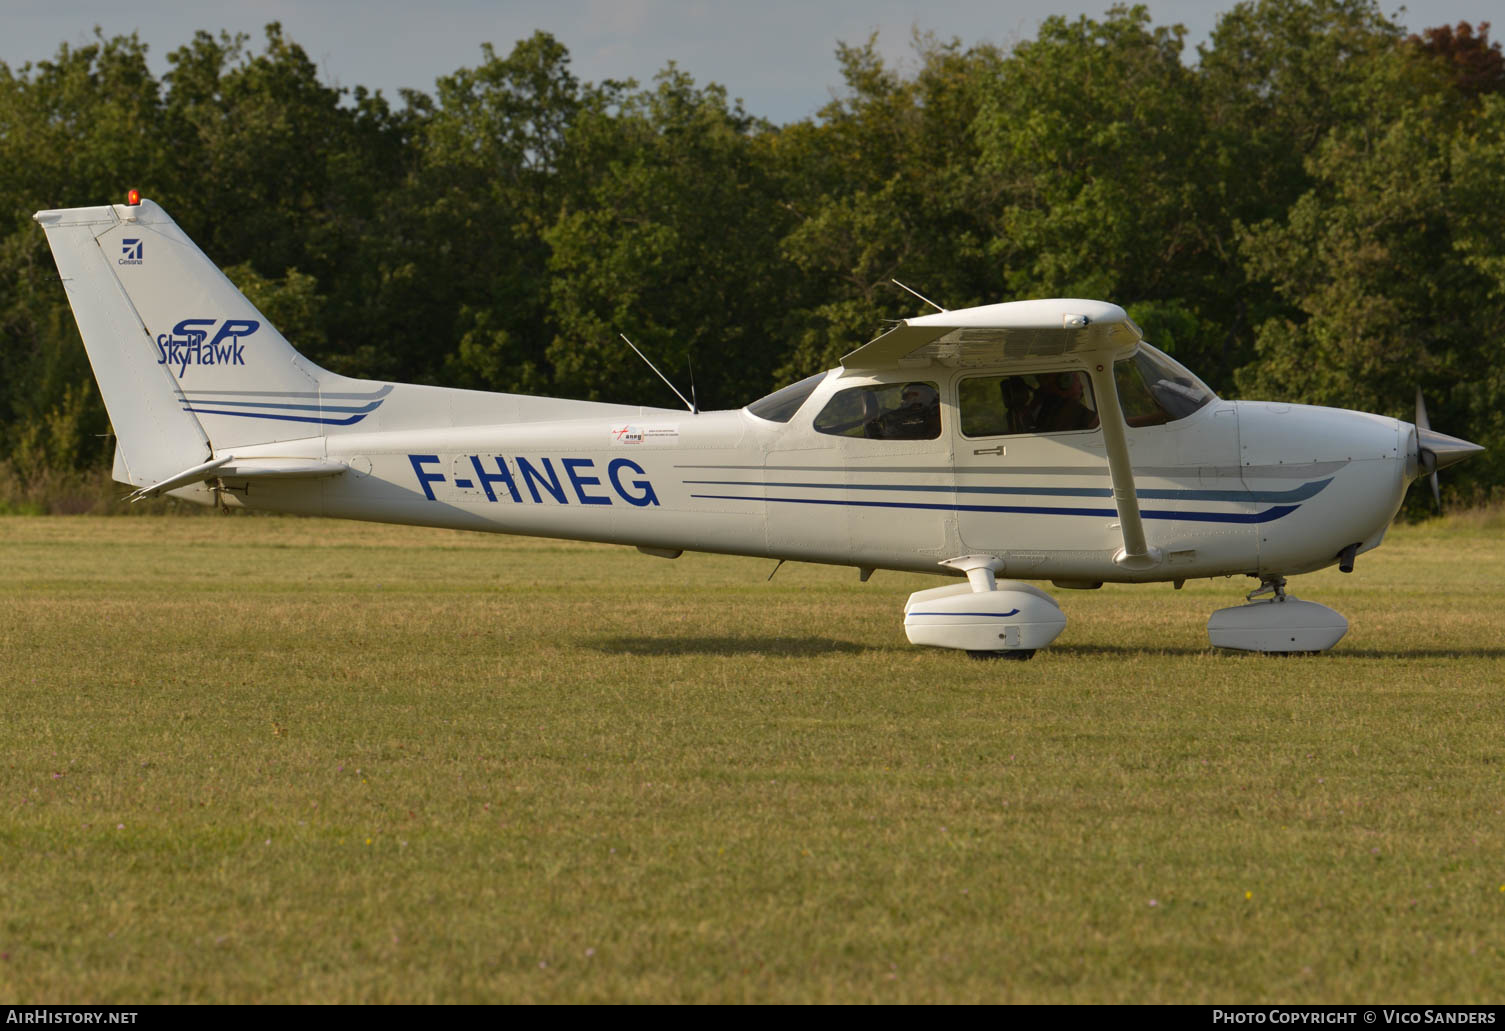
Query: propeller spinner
[(1437, 450)]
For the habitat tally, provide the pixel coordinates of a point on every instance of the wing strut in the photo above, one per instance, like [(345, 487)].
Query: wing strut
[(1136, 552)]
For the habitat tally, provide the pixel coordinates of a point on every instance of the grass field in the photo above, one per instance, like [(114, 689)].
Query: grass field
[(268, 760)]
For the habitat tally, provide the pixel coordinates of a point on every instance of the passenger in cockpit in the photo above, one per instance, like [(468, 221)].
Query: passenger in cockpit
[(1058, 404)]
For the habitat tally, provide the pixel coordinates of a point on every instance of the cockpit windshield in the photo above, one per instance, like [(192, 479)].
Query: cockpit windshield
[(1154, 388), (781, 405)]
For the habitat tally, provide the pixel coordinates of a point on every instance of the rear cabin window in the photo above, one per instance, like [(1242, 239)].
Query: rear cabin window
[(889, 411), (1050, 402)]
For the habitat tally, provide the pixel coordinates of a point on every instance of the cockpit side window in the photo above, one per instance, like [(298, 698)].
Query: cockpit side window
[(887, 411), (781, 405), (1155, 389), (1050, 402)]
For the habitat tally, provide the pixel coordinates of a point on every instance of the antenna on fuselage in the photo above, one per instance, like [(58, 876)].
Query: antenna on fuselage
[(921, 296), (688, 404)]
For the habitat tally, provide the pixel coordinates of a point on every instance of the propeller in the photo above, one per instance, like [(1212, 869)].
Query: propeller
[(1427, 456), (1437, 450)]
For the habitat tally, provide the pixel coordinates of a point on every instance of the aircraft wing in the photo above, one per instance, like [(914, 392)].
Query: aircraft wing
[(995, 333)]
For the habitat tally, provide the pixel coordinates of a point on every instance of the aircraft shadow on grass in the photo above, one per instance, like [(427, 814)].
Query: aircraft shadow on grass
[(793, 647), (811, 647), (1088, 650), (1424, 653)]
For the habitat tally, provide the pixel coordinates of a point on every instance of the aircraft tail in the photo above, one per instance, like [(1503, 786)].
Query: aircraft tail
[(190, 371), (186, 364)]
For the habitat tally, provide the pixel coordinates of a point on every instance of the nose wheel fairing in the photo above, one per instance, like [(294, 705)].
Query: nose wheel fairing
[(1278, 624)]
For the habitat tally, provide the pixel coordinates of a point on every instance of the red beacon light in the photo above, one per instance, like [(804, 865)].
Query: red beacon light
[(133, 198)]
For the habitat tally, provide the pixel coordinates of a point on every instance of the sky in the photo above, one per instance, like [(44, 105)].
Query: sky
[(776, 55)]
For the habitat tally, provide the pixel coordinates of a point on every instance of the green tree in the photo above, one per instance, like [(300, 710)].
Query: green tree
[(674, 243), (886, 185), (276, 171), (77, 129), (1097, 133), (1389, 266), (495, 168), (1313, 204)]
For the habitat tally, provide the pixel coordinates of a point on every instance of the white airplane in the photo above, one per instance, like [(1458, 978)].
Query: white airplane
[(1035, 440)]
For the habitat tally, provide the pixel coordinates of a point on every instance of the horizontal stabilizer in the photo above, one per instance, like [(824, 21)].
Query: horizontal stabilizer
[(257, 468), (280, 468)]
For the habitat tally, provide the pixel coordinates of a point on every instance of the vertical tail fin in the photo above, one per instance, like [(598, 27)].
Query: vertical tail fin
[(155, 436), (185, 363)]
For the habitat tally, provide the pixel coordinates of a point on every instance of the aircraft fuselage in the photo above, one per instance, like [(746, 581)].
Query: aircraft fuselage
[(1235, 488)]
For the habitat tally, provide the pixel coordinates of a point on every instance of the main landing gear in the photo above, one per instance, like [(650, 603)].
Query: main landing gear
[(986, 617), (1278, 623)]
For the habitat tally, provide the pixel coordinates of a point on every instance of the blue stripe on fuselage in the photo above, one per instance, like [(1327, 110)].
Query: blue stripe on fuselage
[(1301, 493), (373, 406), (1266, 516), (283, 418)]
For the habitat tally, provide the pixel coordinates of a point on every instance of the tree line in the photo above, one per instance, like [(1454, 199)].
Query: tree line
[(1307, 211)]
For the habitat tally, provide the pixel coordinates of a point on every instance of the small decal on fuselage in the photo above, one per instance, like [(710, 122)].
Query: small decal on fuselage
[(632, 434), (573, 481)]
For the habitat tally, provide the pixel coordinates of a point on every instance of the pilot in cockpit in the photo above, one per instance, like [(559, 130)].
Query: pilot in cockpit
[(918, 416), (1058, 404)]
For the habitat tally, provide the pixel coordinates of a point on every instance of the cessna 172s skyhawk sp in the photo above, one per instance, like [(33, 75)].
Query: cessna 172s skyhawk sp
[(1039, 440)]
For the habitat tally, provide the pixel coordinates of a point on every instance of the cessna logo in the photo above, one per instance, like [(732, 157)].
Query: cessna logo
[(189, 343), (131, 251)]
